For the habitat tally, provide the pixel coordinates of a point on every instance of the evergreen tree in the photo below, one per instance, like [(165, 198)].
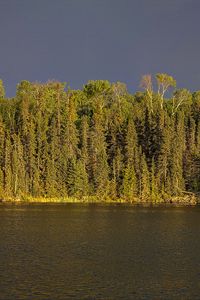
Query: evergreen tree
[(2, 90), (129, 186), (144, 179), (101, 141), (98, 164)]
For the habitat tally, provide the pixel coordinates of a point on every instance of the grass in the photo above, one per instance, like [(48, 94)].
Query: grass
[(181, 200)]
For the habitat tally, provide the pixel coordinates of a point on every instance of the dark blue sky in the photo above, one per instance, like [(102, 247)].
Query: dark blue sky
[(118, 40)]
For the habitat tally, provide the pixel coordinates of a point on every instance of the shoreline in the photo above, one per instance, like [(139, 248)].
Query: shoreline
[(172, 201)]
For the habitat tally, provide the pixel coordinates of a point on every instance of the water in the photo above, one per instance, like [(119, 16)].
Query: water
[(99, 252)]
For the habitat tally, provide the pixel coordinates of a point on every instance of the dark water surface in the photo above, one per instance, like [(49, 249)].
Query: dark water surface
[(99, 252)]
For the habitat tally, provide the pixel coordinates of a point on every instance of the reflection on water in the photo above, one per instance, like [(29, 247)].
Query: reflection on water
[(99, 252)]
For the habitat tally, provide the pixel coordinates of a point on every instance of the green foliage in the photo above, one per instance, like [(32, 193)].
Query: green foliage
[(129, 186), (165, 80), (2, 90), (97, 87), (182, 97), (144, 180), (99, 142)]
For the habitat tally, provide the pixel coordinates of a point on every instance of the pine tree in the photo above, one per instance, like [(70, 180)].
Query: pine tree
[(144, 180), (177, 151), (7, 171), (2, 153), (2, 90), (129, 186), (101, 141), (154, 183), (99, 170)]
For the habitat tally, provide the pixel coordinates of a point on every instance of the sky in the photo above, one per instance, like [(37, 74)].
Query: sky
[(79, 40)]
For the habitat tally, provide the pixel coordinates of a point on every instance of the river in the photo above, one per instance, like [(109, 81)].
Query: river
[(99, 252)]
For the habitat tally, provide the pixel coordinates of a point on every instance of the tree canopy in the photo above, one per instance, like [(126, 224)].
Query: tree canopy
[(100, 141)]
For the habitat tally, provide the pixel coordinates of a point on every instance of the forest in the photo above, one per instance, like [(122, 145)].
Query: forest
[(101, 142)]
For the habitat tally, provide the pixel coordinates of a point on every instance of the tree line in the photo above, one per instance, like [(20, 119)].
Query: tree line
[(100, 141)]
